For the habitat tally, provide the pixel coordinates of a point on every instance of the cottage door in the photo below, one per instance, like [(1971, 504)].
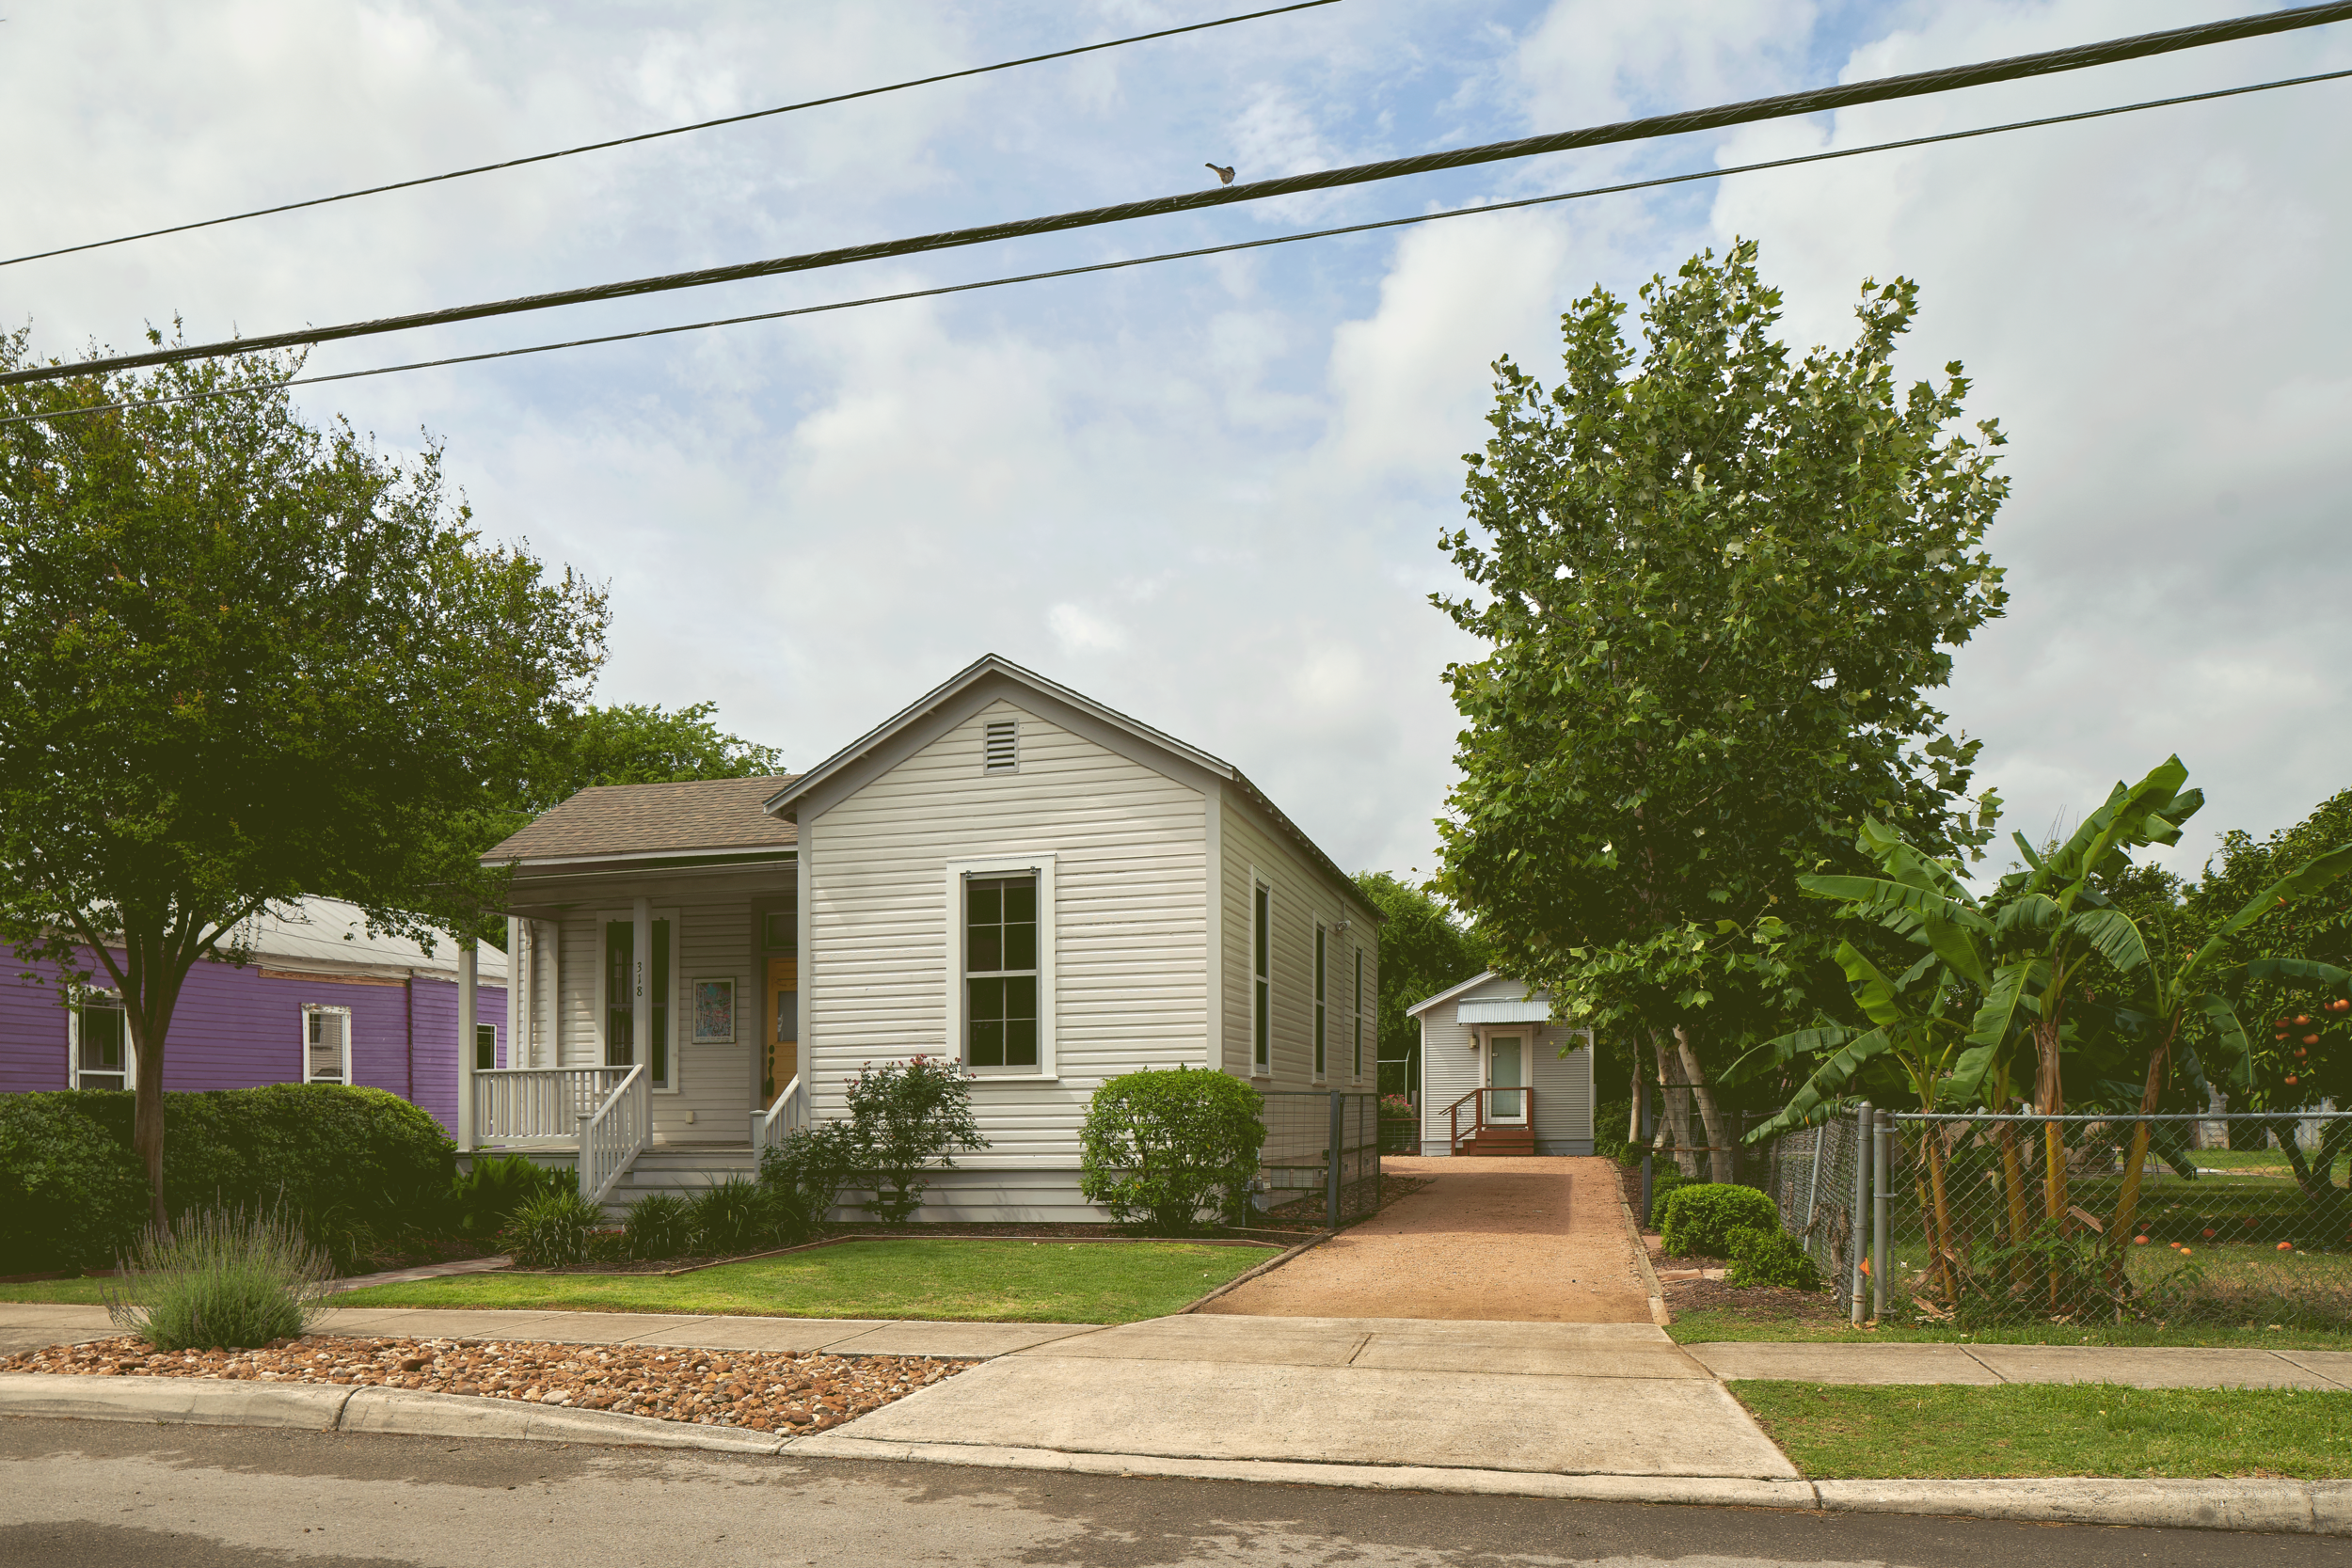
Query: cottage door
[(1506, 1070)]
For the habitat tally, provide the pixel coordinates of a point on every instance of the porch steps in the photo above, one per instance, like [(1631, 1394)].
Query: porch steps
[(681, 1168), (1501, 1142)]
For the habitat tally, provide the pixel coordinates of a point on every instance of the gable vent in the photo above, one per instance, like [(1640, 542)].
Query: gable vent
[(1001, 751)]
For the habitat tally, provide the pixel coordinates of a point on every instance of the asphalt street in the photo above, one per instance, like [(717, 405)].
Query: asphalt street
[(95, 1495)]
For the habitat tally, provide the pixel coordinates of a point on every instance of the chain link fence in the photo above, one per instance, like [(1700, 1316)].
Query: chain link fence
[(1817, 1177), (2221, 1218), (1322, 1157)]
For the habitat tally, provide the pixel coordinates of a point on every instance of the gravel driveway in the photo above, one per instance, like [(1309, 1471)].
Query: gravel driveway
[(1540, 1240)]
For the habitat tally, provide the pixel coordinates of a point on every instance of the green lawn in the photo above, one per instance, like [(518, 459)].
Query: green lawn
[(2087, 1429), (77, 1293), (1702, 1326), (975, 1281)]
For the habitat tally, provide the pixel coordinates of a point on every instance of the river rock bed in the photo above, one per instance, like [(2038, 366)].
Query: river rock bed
[(762, 1390)]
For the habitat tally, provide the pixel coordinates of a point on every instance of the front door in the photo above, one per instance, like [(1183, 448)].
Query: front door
[(1506, 1069), (781, 1037)]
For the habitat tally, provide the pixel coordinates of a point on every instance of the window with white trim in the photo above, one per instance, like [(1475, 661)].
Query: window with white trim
[(326, 1045), (1000, 747), (1262, 988), (1322, 937), (98, 1043), (485, 1047), (1000, 972), (1356, 1017)]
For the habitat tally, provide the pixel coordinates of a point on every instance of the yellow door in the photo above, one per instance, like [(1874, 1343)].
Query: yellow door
[(780, 1009)]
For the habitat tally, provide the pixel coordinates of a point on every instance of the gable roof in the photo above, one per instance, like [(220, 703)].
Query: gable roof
[(620, 821), (327, 935), (988, 665)]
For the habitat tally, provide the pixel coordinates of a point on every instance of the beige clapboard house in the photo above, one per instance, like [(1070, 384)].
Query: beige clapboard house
[(1006, 872), (1498, 1076)]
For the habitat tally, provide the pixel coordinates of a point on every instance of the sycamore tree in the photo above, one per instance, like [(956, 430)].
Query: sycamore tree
[(1716, 584), (1423, 948), (247, 658)]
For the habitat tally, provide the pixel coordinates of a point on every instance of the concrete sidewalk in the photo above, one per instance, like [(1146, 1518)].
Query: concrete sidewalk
[(2141, 1367)]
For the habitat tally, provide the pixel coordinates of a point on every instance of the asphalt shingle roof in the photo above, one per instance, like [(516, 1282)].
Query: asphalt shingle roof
[(700, 815)]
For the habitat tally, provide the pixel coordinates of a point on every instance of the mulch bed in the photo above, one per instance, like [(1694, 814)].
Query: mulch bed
[(761, 1390), (1762, 1303)]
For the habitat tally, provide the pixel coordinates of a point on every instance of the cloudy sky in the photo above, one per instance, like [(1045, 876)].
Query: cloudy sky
[(1208, 492)]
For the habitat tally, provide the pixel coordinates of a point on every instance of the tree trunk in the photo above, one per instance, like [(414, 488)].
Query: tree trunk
[(1710, 1114), (151, 990), (1674, 1103)]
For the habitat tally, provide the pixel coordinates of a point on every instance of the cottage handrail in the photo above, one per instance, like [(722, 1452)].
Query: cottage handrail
[(789, 1115), (1481, 1116), (614, 1134), (528, 1105)]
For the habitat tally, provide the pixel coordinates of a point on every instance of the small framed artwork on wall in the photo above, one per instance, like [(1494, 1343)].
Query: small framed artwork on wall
[(714, 1012)]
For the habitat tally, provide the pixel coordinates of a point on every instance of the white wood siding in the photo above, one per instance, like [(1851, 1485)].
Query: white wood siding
[(1453, 1064), (1130, 933), (1303, 894)]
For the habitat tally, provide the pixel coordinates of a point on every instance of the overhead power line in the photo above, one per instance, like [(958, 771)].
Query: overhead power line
[(1879, 89), (656, 136), (933, 293)]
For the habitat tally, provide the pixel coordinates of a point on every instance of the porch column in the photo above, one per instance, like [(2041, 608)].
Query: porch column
[(519, 956), (641, 975), (467, 960)]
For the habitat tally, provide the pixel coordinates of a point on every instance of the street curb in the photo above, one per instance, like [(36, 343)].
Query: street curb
[(2287, 1507)]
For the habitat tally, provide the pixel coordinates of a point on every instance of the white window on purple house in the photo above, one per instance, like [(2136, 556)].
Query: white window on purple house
[(326, 1045), (98, 1043)]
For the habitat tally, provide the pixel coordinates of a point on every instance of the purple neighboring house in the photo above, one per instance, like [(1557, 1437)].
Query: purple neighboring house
[(319, 1001)]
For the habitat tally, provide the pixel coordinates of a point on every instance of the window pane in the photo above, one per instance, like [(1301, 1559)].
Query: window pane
[(984, 903), (1021, 1043), (1259, 924), (1021, 900), (101, 1032), (985, 951), (1020, 946), (1021, 998), (1262, 1024), (620, 945)]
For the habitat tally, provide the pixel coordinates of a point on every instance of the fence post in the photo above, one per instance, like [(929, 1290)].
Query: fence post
[(1857, 1229), (1882, 1151), (1641, 1114), (1332, 1164)]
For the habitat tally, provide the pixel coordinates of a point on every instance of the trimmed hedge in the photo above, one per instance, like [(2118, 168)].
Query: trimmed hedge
[(353, 1165), (1161, 1148), (1701, 1217)]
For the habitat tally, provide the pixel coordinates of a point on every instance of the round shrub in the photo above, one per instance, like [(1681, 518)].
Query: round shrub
[(1162, 1147), (659, 1225), (1769, 1257), (221, 1277), (1701, 1217), (1666, 1175), (552, 1231), (730, 1218)]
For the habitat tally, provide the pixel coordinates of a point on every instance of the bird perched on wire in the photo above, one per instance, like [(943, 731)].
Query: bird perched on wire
[(1224, 172)]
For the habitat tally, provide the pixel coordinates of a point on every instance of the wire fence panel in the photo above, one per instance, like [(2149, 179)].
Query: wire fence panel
[(2230, 1218), (1810, 1175), (1298, 1178)]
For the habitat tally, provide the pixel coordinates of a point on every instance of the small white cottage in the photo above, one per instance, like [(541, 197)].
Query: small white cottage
[(1006, 872), (1498, 1076)]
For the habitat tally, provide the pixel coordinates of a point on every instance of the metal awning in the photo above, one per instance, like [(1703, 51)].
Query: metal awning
[(1532, 1009)]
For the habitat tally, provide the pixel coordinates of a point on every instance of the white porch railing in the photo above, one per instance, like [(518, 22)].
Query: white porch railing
[(614, 1134), (787, 1115), (538, 1105)]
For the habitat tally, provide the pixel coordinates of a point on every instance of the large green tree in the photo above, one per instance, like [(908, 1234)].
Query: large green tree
[(1716, 585), (246, 658), (1425, 947)]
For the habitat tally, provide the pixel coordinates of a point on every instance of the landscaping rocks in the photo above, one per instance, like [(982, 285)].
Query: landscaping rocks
[(759, 1390)]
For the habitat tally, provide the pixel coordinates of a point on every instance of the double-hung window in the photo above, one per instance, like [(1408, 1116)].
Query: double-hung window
[(1261, 985), (485, 1047), (98, 1043), (326, 1045), (1323, 938), (1000, 972)]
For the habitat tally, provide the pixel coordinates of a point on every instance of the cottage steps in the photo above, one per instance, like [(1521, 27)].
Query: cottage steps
[(1501, 1142)]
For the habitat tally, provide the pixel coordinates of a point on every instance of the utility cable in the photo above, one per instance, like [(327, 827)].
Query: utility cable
[(1879, 89), (1212, 250), (656, 136)]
